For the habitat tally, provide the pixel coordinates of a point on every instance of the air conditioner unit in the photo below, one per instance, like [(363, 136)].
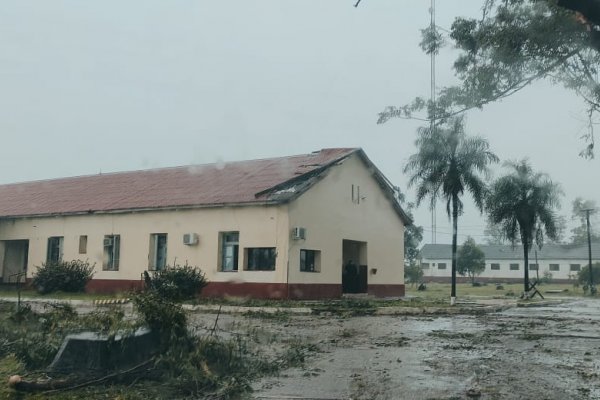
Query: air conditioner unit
[(108, 242), (298, 233), (190, 239)]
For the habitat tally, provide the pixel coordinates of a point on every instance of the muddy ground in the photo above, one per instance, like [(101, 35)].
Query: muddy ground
[(547, 352)]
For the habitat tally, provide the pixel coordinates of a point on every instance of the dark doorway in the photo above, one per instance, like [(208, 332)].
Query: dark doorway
[(354, 268), (15, 260)]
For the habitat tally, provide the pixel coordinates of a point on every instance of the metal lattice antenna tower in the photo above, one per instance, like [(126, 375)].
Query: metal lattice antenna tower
[(432, 122)]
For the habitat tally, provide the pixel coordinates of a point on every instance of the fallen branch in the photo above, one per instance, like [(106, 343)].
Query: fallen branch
[(56, 385)]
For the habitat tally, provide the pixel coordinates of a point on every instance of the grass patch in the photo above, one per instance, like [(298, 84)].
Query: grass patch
[(346, 307), (278, 315), (441, 291), (33, 294)]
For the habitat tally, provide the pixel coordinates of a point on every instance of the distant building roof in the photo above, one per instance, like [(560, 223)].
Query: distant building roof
[(264, 181), (508, 252)]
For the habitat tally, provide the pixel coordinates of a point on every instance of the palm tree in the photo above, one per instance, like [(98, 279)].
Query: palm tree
[(522, 203), (447, 163)]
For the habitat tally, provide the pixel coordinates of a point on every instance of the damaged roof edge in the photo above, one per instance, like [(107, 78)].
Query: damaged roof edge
[(304, 177), (386, 186), (318, 173)]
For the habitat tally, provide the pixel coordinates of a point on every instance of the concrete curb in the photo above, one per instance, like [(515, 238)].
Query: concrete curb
[(226, 309)]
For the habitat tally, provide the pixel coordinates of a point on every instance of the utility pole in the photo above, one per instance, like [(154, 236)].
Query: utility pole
[(587, 216), (433, 121)]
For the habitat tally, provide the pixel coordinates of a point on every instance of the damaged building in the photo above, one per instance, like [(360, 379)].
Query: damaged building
[(287, 227)]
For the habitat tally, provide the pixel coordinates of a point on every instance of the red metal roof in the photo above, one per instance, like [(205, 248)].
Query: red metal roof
[(188, 186)]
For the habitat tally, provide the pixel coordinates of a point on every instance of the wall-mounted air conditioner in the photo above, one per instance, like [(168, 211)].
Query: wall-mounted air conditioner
[(298, 233), (190, 239)]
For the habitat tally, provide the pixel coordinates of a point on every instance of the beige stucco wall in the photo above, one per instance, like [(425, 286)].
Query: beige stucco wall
[(259, 226), (329, 215), (327, 212)]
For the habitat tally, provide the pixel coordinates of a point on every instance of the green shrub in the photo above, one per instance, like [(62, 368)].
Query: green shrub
[(163, 316), (177, 283), (64, 276), (583, 276), (413, 273), (547, 278)]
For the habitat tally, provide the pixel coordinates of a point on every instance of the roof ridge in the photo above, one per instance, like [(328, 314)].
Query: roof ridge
[(177, 167)]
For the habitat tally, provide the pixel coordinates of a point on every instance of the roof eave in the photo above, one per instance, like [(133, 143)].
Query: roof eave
[(148, 209)]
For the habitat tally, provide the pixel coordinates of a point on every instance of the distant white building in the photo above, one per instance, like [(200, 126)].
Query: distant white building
[(504, 263)]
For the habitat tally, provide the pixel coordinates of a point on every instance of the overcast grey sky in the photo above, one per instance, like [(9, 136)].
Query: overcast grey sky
[(114, 85)]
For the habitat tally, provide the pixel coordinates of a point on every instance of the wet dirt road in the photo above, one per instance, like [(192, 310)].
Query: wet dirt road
[(521, 353)]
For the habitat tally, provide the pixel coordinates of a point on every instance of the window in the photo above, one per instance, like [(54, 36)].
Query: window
[(55, 246), (310, 260), (533, 267), (260, 259), (514, 267), (112, 244), (575, 267), (554, 267), (441, 265), (83, 244), (229, 250), (158, 251), (425, 265), (495, 266)]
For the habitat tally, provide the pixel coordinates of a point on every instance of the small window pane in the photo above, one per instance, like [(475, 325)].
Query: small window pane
[(425, 265), (533, 267), (575, 267), (495, 266), (112, 249), (514, 267), (441, 265), (83, 244), (229, 251), (554, 267), (54, 254), (310, 260), (260, 259)]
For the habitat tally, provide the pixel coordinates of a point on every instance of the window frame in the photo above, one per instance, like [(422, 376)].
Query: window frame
[(316, 260), (155, 240), (514, 267), (58, 246), (576, 269), (111, 253), (270, 259), (494, 266), (534, 267), (83, 243), (224, 255), (425, 265), (554, 267), (442, 265)]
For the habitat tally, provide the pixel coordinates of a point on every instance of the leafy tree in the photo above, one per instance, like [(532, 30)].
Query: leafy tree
[(513, 44), (583, 276), (471, 260), (494, 234), (523, 203), (579, 233), (413, 234), (561, 228), (447, 163), (413, 273)]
